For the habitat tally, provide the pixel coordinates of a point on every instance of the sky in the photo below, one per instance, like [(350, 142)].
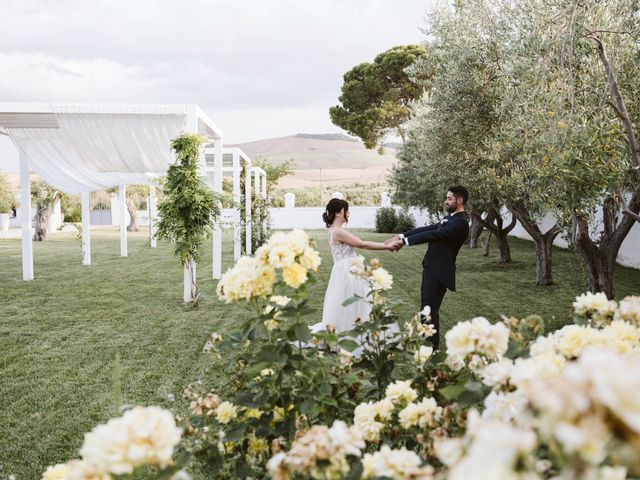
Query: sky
[(258, 68)]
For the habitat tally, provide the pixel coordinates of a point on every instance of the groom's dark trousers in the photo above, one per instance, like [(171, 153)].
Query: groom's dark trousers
[(439, 263)]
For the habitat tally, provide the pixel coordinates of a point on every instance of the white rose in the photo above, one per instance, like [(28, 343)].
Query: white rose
[(346, 357), (423, 354), (401, 391), (449, 450), (497, 373)]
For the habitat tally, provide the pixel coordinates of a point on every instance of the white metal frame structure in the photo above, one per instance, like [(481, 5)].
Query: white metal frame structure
[(233, 160), (260, 187), (260, 181), (79, 148)]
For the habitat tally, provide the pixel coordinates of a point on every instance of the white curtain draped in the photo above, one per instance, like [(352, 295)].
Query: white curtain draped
[(99, 146)]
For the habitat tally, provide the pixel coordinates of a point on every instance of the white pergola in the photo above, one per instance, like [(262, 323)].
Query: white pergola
[(233, 159), (80, 148), (260, 189)]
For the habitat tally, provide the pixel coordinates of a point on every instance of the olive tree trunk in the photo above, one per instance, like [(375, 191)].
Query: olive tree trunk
[(42, 216), (475, 230), (495, 224), (133, 213), (600, 256), (543, 242)]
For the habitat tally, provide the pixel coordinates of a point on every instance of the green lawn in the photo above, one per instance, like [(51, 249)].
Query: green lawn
[(60, 333)]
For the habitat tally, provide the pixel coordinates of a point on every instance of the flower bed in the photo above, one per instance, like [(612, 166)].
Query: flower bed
[(503, 401)]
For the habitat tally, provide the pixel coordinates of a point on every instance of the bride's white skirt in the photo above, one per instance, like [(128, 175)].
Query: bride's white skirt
[(342, 286)]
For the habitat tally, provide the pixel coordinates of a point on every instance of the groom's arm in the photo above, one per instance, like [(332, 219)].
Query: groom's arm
[(420, 230), (400, 239), (449, 231)]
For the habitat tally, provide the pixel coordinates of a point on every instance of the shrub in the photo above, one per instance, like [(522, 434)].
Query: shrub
[(71, 208), (405, 221), (7, 200), (386, 220), (73, 214)]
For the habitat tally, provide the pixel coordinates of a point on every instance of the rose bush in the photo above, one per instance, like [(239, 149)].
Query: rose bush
[(504, 400)]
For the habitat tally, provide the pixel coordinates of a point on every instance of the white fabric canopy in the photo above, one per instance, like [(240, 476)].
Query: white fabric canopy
[(98, 146)]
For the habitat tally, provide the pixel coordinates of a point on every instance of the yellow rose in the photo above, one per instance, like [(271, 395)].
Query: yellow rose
[(310, 259), (281, 256), (278, 414), (294, 275), (257, 446), (252, 413), (226, 412), (271, 325)]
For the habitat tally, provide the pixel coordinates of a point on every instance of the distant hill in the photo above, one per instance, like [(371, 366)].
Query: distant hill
[(327, 159), (327, 136)]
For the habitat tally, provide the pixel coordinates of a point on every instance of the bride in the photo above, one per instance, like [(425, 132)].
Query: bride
[(343, 285)]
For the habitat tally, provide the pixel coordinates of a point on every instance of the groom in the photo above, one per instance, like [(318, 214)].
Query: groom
[(439, 264)]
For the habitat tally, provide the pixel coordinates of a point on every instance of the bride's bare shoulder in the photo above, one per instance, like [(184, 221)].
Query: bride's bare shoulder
[(342, 235)]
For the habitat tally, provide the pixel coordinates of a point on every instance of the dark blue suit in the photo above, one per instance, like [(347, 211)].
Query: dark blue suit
[(439, 263)]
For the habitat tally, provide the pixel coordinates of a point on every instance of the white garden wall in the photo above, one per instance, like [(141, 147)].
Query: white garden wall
[(364, 217)]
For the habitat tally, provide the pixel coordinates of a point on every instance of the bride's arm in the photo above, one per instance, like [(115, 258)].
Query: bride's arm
[(350, 239)]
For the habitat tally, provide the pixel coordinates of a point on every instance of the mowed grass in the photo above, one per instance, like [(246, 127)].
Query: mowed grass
[(60, 334)]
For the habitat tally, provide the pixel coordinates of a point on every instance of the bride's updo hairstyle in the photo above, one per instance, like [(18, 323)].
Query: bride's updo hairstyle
[(333, 207)]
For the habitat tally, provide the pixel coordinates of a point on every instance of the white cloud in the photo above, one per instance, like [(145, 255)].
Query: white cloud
[(248, 60)]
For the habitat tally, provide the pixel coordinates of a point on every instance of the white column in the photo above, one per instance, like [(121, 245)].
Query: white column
[(263, 193), (152, 216), (122, 208), (247, 208), (86, 229), (289, 200), (217, 231), (256, 181), (25, 220), (237, 240), (115, 210)]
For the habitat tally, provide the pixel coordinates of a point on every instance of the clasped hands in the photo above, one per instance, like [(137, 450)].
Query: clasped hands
[(395, 243)]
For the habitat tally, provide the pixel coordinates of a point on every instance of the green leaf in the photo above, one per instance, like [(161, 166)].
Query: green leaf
[(307, 406), (468, 398), (235, 433), (348, 344), (351, 300), (330, 401), (451, 392), (302, 332), (356, 472), (439, 357), (325, 389), (269, 356)]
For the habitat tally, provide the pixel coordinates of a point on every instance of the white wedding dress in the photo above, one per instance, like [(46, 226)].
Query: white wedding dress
[(342, 286)]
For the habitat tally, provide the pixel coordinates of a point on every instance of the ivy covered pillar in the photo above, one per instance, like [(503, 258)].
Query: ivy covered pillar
[(247, 207), (236, 205)]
